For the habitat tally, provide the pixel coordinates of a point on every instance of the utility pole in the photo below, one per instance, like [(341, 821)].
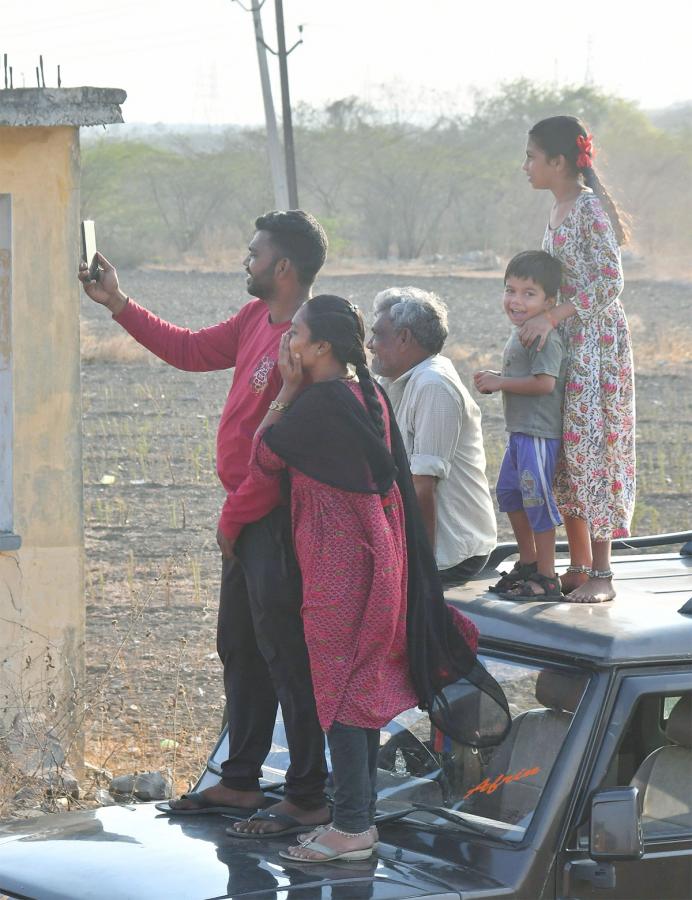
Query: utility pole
[(289, 151), (283, 165), (276, 156), (274, 148)]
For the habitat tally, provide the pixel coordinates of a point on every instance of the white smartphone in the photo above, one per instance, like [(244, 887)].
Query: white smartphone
[(89, 248)]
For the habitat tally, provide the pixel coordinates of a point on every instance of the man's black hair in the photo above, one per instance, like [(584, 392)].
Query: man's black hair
[(299, 237), (540, 267)]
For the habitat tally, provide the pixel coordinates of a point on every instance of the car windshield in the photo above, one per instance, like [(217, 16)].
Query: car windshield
[(495, 790)]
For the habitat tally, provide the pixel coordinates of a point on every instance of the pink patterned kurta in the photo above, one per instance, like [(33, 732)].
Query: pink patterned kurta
[(352, 556), (595, 477)]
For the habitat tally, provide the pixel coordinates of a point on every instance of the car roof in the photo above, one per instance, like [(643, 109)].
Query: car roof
[(642, 624)]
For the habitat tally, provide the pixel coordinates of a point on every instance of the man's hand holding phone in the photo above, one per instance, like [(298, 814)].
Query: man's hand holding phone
[(99, 278), (106, 290)]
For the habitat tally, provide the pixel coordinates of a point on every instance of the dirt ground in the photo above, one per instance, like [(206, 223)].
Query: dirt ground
[(152, 498)]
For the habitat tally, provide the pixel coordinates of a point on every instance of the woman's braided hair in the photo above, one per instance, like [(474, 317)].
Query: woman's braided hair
[(558, 136), (333, 319)]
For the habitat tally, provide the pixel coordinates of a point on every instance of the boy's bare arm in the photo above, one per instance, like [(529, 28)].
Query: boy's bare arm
[(529, 385)]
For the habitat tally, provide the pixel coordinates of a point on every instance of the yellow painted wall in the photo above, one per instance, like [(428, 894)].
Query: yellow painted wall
[(41, 584)]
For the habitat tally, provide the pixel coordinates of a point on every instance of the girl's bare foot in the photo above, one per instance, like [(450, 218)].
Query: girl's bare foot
[(574, 577), (594, 590)]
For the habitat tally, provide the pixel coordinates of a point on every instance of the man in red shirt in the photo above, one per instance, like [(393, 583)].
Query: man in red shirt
[(260, 636)]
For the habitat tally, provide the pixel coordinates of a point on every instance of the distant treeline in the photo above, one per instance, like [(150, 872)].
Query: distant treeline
[(385, 187)]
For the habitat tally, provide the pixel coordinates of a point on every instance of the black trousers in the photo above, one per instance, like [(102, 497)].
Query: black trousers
[(261, 644), (463, 571)]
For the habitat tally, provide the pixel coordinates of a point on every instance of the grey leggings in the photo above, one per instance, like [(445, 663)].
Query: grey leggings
[(354, 764)]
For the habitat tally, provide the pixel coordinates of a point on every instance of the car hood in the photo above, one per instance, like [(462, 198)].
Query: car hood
[(134, 852)]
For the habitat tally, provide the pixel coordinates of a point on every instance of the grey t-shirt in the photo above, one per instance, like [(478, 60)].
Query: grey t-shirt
[(540, 416)]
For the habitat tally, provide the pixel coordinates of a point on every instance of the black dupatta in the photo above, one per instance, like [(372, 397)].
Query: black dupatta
[(328, 435)]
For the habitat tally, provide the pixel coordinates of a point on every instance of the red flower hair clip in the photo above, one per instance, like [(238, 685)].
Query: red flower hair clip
[(585, 146)]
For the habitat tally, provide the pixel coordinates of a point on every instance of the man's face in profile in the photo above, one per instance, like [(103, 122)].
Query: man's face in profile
[(260, 264), (385, 346)]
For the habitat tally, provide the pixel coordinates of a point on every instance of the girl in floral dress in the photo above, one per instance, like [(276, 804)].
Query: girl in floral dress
[(595, 479)]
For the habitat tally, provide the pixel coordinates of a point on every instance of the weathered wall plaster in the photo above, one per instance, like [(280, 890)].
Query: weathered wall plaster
[(41, 584)]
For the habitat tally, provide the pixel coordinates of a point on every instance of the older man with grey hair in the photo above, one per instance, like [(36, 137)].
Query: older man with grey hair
[(441, 427)]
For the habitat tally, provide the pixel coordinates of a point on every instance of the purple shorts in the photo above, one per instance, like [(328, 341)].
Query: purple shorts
[(526, 480)]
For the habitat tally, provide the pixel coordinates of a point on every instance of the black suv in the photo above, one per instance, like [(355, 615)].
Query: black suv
[(589, 795)]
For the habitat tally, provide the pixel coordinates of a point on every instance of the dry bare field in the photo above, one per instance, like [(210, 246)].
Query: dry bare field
[(152, 497)]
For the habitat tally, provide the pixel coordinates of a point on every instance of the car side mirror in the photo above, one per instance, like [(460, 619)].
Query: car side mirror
[(616, 825)]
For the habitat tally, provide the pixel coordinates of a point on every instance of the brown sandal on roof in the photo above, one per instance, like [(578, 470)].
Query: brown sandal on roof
[(517, 575), (551, 589)]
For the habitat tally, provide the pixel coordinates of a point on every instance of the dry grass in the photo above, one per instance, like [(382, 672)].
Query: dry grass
[(116, 348), (664, 347), (470, 359)]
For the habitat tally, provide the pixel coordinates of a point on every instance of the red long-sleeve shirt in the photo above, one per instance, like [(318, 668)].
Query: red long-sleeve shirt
[(249, 342)]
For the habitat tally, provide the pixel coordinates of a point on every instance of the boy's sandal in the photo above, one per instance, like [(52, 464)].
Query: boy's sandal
[(517, 575), (551, 589), (328, 853)]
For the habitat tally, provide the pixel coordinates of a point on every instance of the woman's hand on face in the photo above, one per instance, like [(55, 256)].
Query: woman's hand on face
[(537, 327), (291, 368)]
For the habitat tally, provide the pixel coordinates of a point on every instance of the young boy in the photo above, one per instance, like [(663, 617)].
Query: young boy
[(532, 384)]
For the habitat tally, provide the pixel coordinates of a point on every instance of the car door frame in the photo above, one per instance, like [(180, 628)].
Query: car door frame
[(665, 859)]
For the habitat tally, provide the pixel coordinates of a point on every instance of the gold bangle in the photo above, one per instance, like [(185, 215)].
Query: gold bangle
[(278, 406)]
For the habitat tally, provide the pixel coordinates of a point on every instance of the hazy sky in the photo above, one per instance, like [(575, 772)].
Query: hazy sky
[(195, 61)]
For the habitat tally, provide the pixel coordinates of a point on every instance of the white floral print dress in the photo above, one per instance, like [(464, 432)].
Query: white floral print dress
[(595, 477)]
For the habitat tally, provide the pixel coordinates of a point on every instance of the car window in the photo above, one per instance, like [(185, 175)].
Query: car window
[(655, 755), (495, 790), (667, 704)]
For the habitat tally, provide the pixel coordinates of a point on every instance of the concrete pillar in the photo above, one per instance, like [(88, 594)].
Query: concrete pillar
[(41, 530)]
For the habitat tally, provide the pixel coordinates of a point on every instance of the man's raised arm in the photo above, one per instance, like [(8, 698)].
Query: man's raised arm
[(194, 351)]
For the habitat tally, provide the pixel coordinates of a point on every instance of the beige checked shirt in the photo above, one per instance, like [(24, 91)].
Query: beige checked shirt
[(441, 427)]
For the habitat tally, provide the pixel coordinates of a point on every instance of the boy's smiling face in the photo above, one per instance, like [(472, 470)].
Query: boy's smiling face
[(524, 298)]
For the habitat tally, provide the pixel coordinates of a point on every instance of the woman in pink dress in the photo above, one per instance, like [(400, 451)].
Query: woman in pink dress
[(368, 604), (595, 478)]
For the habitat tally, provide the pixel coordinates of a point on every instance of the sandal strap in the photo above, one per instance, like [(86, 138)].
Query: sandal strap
[(266, 815), (524, 569), (516, 575), (543, 579), (318, 847), (549, 583)]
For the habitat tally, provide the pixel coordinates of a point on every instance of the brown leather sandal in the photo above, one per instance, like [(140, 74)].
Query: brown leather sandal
[(516, 576), (551, 589)]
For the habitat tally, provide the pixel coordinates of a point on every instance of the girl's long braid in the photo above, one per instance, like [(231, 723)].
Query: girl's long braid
[(370, 393), (592, 181)]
